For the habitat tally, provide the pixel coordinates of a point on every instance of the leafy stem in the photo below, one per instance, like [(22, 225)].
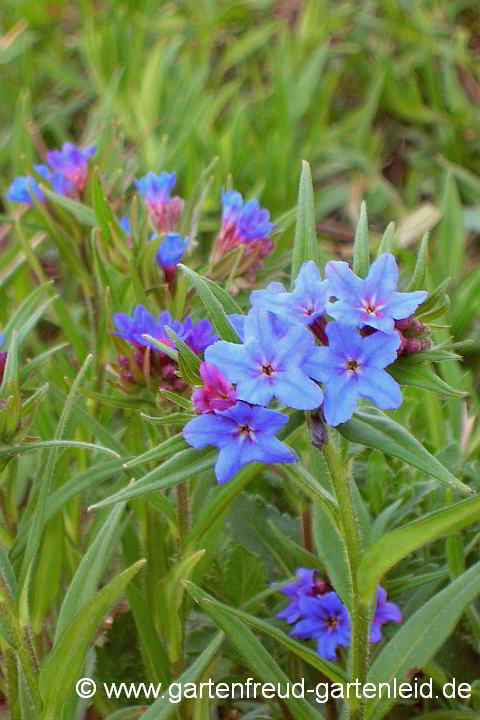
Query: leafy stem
[(342, 481)]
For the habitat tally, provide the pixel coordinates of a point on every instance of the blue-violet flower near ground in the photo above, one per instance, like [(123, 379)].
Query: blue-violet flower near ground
[(164, 210), (245, 224), (244, 434), (373, 301), (325, 619), (72, 163), (169, 254), (217, 392), (384, 612), (352, 367), (307, 584), (25, 190), (268, 365)]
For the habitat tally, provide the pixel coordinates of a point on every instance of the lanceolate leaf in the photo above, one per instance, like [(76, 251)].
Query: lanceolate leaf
[(376, 430), (89, 573), (212, 305), (417, 641), (361, 257), (254, 655), (212, 606), (163, 708), (64, 664), (305, 244), (80, 211), (423, 377), (183, 466), (28, 312), (397, 544)]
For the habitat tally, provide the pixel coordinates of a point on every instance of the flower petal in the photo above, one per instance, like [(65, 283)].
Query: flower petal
[(383, 276), (401, 305), (379, 387), (294, 389), (380, 349), (344, 282), (340, 399), (232, 359), (209, 430)]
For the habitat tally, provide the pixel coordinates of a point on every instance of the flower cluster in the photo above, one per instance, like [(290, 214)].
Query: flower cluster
[(244, 224), (279, 358), (147, 364), (66, 169), (164, 210), (317, 612)]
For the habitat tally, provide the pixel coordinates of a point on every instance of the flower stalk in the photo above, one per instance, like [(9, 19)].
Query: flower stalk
[(342, 481)]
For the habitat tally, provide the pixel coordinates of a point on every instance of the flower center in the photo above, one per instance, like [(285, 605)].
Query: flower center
[(268, 369), (308, 311), (246, 430), (331, 621), (352, 365)]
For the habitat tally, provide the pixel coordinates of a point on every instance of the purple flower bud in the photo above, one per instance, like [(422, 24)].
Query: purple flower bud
[(217, 392)]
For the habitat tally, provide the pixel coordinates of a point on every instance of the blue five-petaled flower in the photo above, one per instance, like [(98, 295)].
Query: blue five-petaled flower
[(270, 363), (373, 301), (171, 250), (304, 304), (244, 434), (352, 367), (325, 619)]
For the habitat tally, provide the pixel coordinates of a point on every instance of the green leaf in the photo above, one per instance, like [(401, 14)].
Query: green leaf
[(254, 655), (312, 488), (188, 362), (418, 280), (9, 384), (183, 466), (361, 256), (423, 377), (163, 708), (332, 551), (64, 664), (217, 609), (388, 550), (212, 305), (89, 573), (80, 212), (28, 313), (387, 240), (229, 304), (305, 243), (374, 429), (46, 476), (417, 641), (169, 446)]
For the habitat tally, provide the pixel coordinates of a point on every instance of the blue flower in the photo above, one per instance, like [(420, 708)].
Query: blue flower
[(373, 301), (198, 336), (325, 619), (384, 612), (244, 434), (60, 183), (352, 367), (2, 339), (25, 190), (171, 250), (71, 163), (232, 205), (305, 304), (244, 224), (268, 364), (132, 328), (238, 322), (156, 188), (163, 210), (303, 586), (126, 225)]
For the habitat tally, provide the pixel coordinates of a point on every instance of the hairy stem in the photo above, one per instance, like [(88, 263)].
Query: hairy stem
[(342, 481)]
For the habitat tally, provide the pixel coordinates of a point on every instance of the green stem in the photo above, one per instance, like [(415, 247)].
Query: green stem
[(183, 515), (342, 481)]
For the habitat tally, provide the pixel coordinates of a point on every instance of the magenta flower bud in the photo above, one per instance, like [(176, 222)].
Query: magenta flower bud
[(217, 392)]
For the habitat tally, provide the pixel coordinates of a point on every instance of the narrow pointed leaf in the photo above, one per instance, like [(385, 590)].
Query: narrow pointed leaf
[(374, 429), (305, 243), (388, 550), (361, 255)]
